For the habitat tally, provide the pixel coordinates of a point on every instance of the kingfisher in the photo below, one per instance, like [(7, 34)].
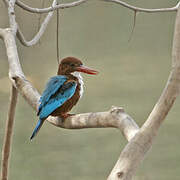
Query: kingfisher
[(63, 91)]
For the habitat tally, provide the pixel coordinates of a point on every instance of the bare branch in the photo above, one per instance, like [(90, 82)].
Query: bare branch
[(115, 118), (138, 9), (8, 134), (34, 41), (76, 3), (137, 148), (15, 67), (12, 17), (140, 140), (46, 10), (41, 31)]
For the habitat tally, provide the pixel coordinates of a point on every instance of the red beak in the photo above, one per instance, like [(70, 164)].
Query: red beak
[(86, 70)]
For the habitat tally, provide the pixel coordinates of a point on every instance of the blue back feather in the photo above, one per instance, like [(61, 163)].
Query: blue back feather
[(52, 86), (56, 93)]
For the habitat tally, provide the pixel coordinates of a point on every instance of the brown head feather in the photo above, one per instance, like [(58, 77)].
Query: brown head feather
[(68, 65)]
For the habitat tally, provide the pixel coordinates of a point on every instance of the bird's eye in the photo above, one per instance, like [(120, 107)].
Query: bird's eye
[(72, 65)]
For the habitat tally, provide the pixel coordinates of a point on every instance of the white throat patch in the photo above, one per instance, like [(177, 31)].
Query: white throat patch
[(80, 79)]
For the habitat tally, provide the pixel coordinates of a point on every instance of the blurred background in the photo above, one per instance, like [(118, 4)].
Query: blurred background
[(132, 75)]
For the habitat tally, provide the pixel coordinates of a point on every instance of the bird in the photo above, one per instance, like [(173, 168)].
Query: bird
[(62, 91)]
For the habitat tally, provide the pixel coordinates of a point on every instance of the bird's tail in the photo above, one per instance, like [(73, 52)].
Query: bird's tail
[(37, 128)]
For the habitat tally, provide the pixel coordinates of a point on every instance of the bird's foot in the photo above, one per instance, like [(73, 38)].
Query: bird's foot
[(64, 116), (71, 114)]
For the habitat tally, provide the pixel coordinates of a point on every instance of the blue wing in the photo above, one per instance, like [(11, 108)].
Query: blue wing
[(56, 93), (58, 90), (52, 86), (37, 128)]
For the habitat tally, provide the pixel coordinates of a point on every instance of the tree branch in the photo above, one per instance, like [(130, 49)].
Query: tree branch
[(15, 70), (12, 17), (138, 9), (115, 118), (8, 134), (140, 140), (137, 148), (76, 3), (46, 10), (41, 31), (13, 99)]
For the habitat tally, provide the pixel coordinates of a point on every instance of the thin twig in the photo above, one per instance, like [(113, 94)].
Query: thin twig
[(46, 10), (57, 36), (134, 24), (134, 8), (41, 31), (6, 150)]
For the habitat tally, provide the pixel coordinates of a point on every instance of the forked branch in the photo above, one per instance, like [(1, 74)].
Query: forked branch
[(140, 140), (46, 10), (79, 2), (116, 117), (137, 148), (41, 31), (55, 6)]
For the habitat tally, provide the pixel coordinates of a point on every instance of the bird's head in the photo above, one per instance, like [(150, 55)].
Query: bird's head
[(69, 65)]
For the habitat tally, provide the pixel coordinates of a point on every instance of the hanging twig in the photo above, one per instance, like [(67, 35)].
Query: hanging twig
[(41, 31), (8, 134), (78, 2), (57, 36), (134, 24)]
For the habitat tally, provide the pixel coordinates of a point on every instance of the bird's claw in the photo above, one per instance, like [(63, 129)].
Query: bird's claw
[(65, 116)]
